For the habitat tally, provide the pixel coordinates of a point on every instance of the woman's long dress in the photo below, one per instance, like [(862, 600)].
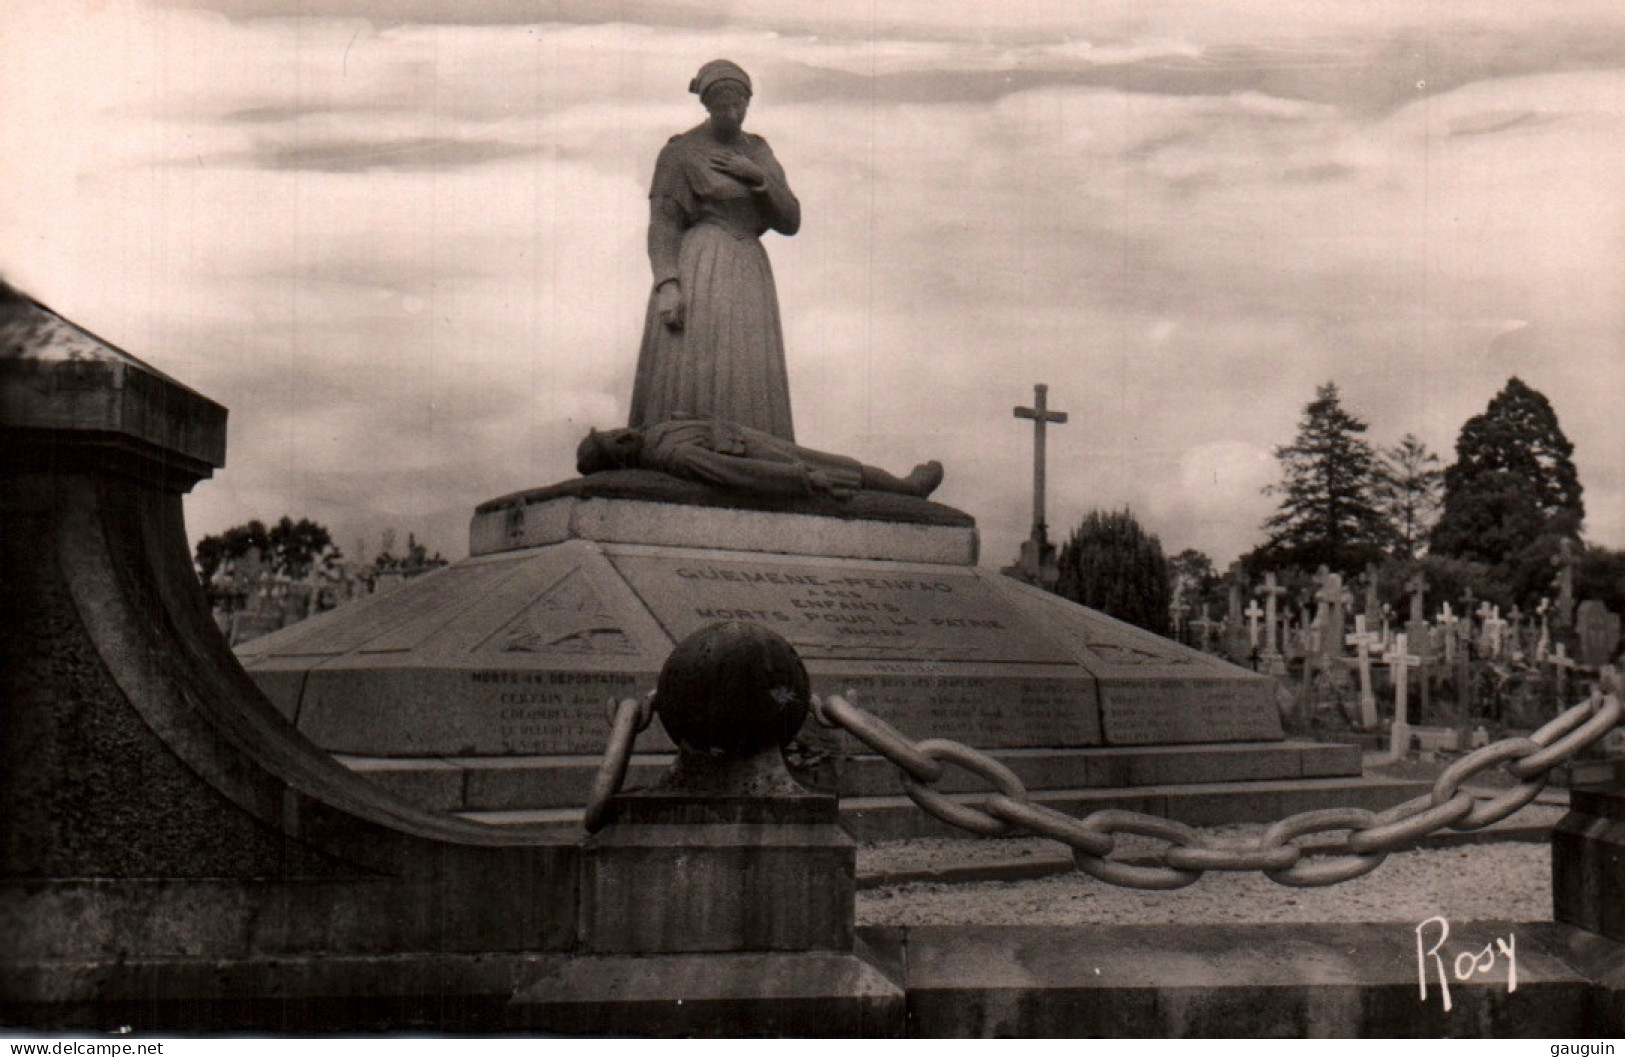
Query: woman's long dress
[(727, 360)]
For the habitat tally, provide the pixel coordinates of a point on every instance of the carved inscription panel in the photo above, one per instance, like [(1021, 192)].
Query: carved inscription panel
[(985, 711), (542, 712), (454, 713), (1170, 712), (841, 612)]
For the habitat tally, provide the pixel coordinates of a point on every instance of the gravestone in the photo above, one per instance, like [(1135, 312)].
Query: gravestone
[(1239, 641), (1598, 631), (1363, 640), (1274, 641), (1400, 661), (1252, 614), (1332, 598), (1416, 628)]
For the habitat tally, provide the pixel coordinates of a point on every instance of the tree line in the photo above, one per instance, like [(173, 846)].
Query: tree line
[(1491, 524)]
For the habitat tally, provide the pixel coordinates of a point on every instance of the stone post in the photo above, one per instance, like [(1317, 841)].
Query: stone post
[(1588, 854), (720, 900)]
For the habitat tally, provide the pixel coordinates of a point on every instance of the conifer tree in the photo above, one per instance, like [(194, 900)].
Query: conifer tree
[(1513, 481), (1407, 491), (1329, 514), (1111, 564)]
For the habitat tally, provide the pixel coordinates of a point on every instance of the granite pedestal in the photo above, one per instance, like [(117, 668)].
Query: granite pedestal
[(495, 672)]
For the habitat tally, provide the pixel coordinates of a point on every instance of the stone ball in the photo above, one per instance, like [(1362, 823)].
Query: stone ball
[(734, 688)]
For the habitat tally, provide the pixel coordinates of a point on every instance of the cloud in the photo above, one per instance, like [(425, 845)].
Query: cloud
[(368, 155), (405, 243)]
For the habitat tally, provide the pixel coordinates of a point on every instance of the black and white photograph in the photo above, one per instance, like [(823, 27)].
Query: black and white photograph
[(542, 519)]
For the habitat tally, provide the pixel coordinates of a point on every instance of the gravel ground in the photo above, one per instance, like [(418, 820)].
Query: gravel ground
[(1508, 881), (1484, 882)]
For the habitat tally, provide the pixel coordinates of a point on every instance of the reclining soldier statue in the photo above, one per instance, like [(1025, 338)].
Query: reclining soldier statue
[(741, 459)]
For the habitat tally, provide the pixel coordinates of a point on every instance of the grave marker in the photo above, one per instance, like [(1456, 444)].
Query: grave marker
[(1598, 631), (1272, 593), (1400, 661), (1363, 641), (1236, 644), (1562, 664), (1204, 626), (1331, 597)]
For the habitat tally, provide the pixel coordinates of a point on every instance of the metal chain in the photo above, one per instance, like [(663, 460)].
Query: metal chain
[(1368, 838), (627, 718)]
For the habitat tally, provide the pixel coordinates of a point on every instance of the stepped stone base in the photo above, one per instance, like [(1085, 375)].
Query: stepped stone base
[(509, 783), (1208, 784), (822, 994), (481, 690), (1147, 981), (576, 595), (1251, 981)]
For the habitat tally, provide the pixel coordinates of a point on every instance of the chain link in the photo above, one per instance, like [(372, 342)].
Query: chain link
[(1330, 870), (1128, 875), (627, 719), (965, 816), (1369, 836)]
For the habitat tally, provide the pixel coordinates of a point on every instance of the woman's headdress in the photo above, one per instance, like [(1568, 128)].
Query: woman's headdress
[(715, 72)]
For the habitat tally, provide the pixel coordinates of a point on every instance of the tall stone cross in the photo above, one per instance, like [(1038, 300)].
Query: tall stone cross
[(1042, 416), (1037, 561)]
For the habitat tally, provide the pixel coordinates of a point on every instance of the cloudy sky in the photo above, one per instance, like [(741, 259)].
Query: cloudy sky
[(403, 241)]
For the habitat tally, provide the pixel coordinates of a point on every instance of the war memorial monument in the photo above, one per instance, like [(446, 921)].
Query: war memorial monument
[(481, 689)]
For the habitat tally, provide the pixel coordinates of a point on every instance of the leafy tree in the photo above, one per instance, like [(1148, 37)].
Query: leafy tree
[(1600, 574), (290, 548), (1513, 481), (1193, 577), (215, 552), (1407, 491), (1329, 512), (1111, 564)]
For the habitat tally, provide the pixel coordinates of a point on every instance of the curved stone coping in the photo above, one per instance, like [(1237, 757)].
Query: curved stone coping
[(58, 379), (196, 790)]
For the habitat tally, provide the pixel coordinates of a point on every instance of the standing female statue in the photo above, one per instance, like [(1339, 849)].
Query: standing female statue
[(712, 344)]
